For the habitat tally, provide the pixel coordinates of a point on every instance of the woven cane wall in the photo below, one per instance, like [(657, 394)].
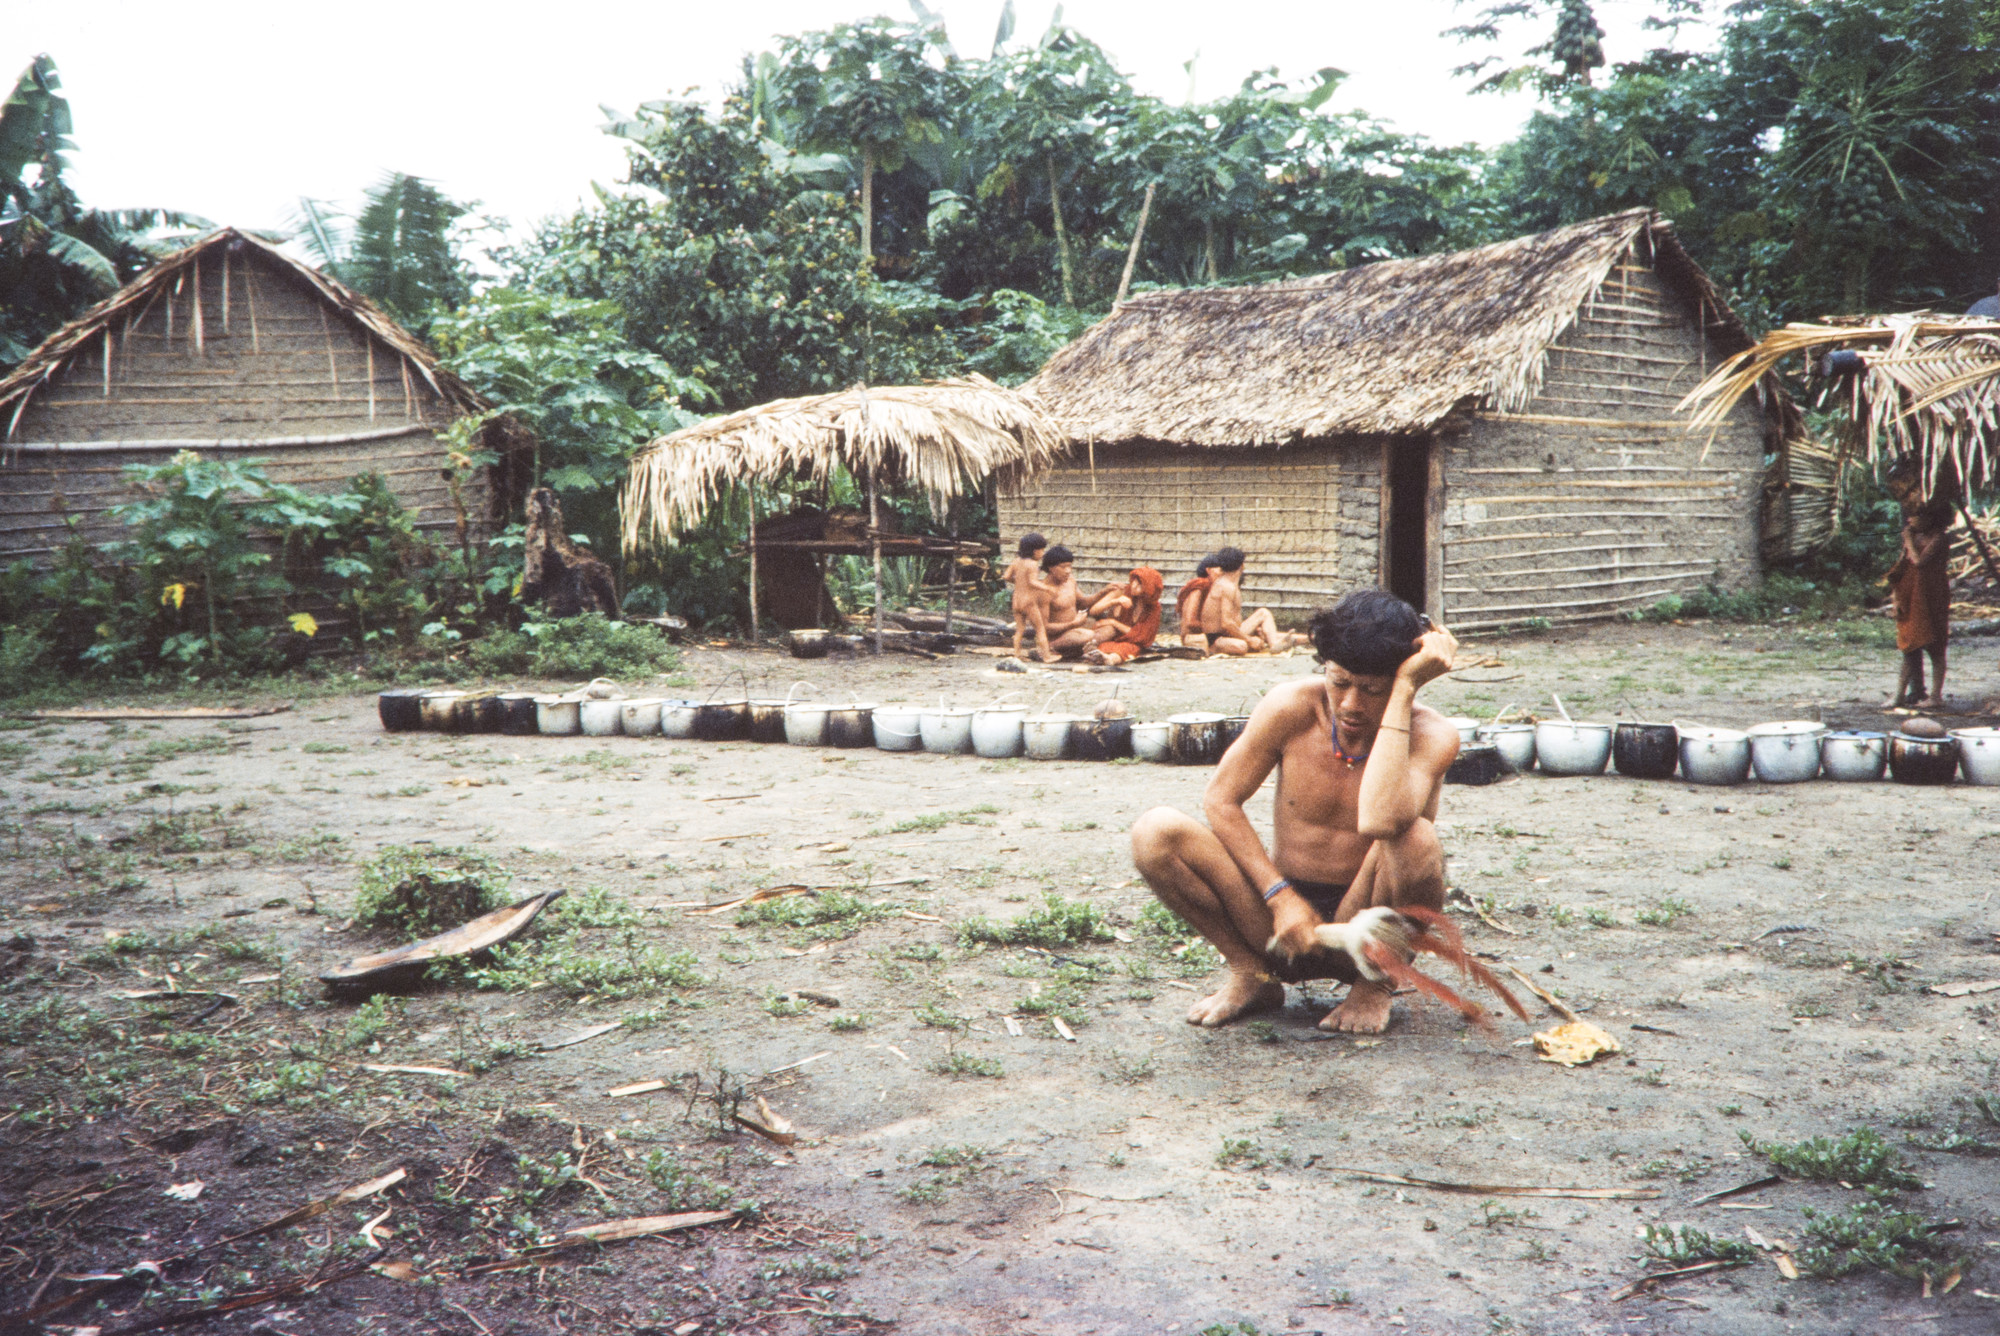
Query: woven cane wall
[(1305, 514), (1597, 499)]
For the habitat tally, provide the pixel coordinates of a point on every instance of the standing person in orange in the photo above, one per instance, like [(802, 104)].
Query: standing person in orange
[(1132, 614), (1920, 585)]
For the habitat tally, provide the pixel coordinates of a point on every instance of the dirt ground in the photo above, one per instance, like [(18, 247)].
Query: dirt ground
[(1763, 954)]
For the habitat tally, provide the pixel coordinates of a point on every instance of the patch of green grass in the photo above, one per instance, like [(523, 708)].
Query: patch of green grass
[(371, 1019), (1249, 1153), (924, 951), (323, 748), (850, 1021), (682, 1188), (823, 914), (1600, 918), (1955, 1143), (595, 907), (1562, 916), (422, 890), (786, 1004), (938, 1018), (1875, 1235), (1057, 923), (936, 821), (1861, 1158), (576, 966), (956, 1063), (1128, 1070), (1690, 1245), (1883, 973), (1663, 912)]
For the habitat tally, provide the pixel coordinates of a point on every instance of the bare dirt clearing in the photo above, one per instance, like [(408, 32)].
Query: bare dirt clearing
[(1762, 953)]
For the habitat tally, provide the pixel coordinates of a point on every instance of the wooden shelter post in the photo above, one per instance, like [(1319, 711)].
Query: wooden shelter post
[(951, 569), (752, 490), (875, 541)]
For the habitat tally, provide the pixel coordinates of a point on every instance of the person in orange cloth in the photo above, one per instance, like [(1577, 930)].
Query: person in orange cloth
[(1920, 585), (1132, 613)]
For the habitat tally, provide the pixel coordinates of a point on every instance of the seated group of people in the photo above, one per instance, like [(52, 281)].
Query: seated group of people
[(1120, 623)]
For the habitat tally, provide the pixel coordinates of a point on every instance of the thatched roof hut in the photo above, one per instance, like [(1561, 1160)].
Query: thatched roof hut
[(1486, 432), (232, 345), (943, 439)]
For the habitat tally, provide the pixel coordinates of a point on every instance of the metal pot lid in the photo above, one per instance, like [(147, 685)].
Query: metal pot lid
[(1714, 735), (1574, 725), (810, 707), (1641, 723), (1195, 717), (1855, 735), (1914, 740), (1786, 728), (1980, 731), (951, 712)]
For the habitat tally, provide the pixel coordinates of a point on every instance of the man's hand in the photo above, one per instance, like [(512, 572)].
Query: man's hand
[(1437, 649), (1293, 922)]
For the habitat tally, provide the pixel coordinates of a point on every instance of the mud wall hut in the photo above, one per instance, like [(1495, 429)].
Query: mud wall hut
[(231, 347), (1491, 433)]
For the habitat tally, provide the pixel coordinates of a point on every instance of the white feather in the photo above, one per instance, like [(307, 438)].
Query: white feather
[(1378, 924)]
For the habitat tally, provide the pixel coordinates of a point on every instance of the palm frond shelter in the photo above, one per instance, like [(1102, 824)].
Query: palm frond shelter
[(942, 439), (231, 347), (1489, 433)]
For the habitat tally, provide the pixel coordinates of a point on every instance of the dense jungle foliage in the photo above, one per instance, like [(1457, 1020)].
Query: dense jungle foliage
[(871, 202)]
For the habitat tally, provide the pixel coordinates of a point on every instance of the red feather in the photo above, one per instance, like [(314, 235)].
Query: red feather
[(1399, 972), (1439, 937)]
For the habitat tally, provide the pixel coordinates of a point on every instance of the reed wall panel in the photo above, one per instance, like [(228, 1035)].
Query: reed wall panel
[(1306, 515), (252, 355), (1597, 499)]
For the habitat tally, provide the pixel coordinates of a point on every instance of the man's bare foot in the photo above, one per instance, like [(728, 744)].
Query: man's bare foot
[(1931, 703), (1365, 1011), (1243, 993), (1094, 655)]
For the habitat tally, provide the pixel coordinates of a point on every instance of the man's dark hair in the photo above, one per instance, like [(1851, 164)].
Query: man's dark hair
[(1228, 559), (1370, 632), (1031, 543), (1056, 556)]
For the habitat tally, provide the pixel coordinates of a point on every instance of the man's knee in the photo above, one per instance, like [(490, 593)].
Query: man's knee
[(1157, 836)]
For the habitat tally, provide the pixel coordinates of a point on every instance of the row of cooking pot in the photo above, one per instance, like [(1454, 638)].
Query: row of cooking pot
[(997, 731), (1779, 753)]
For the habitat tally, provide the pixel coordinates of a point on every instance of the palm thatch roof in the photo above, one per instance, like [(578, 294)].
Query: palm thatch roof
[(1928, 387), (942, 438), (133, 300), (1391, 347)]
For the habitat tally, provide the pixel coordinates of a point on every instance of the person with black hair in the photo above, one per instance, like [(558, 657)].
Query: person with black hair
[(1224, 628), (1024, 574), (1360, 768), (1068, 624)]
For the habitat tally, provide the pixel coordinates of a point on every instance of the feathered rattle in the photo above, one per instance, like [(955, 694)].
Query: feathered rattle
[(1382, 941)]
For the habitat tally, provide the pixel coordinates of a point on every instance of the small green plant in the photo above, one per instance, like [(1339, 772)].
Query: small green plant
[(786, 1004), (1494, 1215), (681, 1188), (850, 1021), (1129, 1070), (1264, 1032), (425, 891), (935, 821), (925, 951), (1664, 912), (1562, 916), (939, 1018), (1874, 1234), (371, 1019), (1861, 1158), (956, 1063), (1249, 1153), (1883, 973), (569, 648), (822, 914), (1057, 923), (1600, 918), (572, 965)]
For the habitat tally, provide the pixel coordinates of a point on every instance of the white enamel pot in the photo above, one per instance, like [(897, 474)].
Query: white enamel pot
[(1468, 729), (1979, 754), (946, 731), (996, 731), (1786, 753), (1515, 741), (639, 718), (1854, 757), (898, 728), (558, 715), (1572, 748), (1045, 737), (677, 717), (1149, 741), (600, 718), (1714, 755), (805, 724)]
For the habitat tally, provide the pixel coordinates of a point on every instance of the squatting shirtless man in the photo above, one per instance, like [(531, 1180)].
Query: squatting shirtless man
[(1360, 765)]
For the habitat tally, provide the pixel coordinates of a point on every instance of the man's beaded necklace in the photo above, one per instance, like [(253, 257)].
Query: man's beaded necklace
[(1340, 752)]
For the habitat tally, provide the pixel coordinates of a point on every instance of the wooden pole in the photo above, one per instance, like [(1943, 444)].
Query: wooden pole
[(1139, 232), (875, 539), (753, 564), (1979, 541), (951, 571)]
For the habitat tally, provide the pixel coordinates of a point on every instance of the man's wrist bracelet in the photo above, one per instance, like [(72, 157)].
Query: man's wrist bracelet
[(1281, 884), (1393, 728)]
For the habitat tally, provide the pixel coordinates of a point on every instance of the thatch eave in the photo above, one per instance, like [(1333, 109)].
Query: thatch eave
[(943, 438)]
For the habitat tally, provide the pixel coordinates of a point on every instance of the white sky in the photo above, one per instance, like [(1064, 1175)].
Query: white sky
[(233, 110)]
